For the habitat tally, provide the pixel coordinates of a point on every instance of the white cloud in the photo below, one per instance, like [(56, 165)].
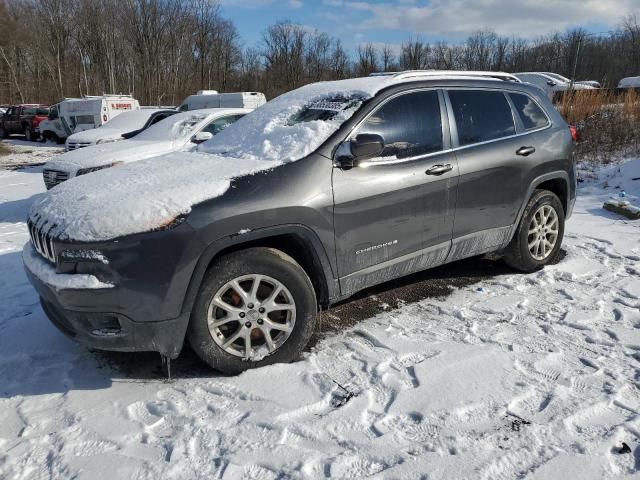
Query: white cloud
[(296, 3), (456, 18)]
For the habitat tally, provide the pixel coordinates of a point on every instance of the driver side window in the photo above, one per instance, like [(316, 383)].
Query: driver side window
[(409, 124), (220, 124)]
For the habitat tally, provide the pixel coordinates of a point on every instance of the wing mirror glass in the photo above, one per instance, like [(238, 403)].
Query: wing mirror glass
[(364, 146), (201, 137)]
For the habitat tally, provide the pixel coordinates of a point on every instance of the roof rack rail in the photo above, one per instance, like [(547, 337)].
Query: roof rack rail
[(507, 77)]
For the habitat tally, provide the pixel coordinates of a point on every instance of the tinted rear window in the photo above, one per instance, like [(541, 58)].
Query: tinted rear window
[(481, 115), (530, 113)]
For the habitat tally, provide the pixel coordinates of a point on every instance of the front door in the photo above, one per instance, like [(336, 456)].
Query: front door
[(393, 214)]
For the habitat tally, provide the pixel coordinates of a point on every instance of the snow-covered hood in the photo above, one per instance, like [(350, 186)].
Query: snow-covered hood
[(104, 134), (139, 196), (107, 154)]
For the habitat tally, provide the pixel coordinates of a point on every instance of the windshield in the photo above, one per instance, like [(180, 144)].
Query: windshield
[(35, 111), (176, 127), (291, 126), (129, 121)]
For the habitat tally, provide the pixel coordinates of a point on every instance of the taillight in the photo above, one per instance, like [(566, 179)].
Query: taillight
[(574, 133)]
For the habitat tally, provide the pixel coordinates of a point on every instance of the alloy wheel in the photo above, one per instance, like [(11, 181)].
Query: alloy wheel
[(543, 232), (251, 316)]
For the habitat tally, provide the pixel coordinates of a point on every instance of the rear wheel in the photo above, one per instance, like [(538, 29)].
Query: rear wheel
[(3, 133), (28, 134), (51, 137), (537, 241), (255, 307)]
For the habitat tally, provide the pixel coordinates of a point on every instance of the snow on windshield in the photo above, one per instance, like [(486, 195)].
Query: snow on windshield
[(295, 124), (129, 121), (175, 127)]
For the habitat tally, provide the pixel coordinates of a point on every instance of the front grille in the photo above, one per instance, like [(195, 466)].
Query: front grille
[(42, 242), (76, 145), (53, 177)]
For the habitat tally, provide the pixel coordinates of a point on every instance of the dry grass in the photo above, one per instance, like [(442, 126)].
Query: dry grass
[(4, 149), (608, 123)]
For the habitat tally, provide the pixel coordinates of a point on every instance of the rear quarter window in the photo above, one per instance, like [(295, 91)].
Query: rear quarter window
[(530, 113), (481, 115)]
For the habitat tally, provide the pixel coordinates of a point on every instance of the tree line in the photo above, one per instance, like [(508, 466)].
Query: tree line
[(162, 50)]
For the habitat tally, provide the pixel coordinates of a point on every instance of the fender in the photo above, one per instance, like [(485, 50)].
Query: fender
[(558, 174), (317, 251)]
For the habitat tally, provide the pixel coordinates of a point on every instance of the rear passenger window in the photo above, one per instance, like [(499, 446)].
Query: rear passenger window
[(409, 124), (530, 113), (481, 115)]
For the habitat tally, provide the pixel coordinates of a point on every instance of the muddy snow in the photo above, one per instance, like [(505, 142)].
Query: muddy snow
[(515, 376)]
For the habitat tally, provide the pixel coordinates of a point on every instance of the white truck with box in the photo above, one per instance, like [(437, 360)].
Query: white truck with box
[(73, 115), (213, 99)]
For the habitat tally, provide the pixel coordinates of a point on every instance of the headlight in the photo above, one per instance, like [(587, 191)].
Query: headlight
[(84, 171)]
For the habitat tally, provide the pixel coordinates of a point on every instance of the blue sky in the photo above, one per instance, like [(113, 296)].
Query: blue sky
[(393, 21)]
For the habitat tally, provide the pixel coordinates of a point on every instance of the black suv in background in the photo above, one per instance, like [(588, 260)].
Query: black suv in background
[(428, 168)]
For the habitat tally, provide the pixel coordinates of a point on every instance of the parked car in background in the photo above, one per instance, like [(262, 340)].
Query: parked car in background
[(182, 131), (23, 119), (3, 109), (322, 192), (73, 115), (550, 83), (125, 125), (213, 99), (629, 83)]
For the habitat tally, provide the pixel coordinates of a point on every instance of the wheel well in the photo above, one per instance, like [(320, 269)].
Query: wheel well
[(298, 248), (557, 186)]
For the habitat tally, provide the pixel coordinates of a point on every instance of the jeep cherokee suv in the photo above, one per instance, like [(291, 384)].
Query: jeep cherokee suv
[(320, 193)]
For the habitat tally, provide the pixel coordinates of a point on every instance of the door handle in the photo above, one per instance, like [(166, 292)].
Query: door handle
[(525, 151), (439, 169)]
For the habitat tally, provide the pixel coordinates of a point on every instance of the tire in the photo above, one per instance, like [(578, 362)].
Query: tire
[(28, 134), (50, 137), (297, 295), (3, 133), (518, 255)]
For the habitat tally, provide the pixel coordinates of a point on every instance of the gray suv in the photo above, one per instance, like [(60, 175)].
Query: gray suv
[(417, 170)]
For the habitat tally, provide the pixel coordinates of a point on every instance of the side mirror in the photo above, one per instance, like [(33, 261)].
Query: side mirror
[(551, 83), (364, 146), (201, 137), (367, 145)]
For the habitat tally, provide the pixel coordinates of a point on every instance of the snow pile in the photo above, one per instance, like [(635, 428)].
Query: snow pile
[(267, 133), (48, 275)]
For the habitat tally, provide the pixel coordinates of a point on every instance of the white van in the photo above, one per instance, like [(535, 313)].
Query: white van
[(213, 99), (73, 115)]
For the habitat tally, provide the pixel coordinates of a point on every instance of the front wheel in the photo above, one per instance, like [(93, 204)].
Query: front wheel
[(255, 307), (537, 241)]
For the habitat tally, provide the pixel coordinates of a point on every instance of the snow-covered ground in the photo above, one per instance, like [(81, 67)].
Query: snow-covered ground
[(24, 153), (518, 376)]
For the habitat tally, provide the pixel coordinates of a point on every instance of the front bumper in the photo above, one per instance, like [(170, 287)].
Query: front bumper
[(128, 295), (108, 330)]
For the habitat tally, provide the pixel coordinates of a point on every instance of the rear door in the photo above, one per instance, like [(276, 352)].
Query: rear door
[(391, 217), (489, 146), (12, 120)]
